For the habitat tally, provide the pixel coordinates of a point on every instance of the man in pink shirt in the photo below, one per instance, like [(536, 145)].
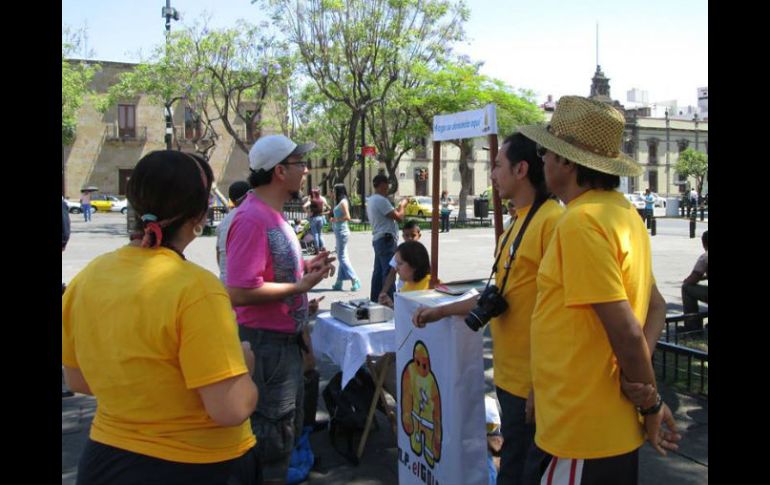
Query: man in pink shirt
[(268, 282)]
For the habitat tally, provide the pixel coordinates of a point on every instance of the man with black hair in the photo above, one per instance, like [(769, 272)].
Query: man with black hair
[(383, 217), (268, 282), (598, 312), (518, 175)]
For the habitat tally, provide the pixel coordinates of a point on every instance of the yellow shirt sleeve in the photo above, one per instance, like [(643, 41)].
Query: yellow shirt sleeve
[(209, 348), (591, 271)]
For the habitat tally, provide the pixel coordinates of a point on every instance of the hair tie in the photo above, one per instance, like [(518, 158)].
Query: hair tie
[(153, 228), (149, 217)]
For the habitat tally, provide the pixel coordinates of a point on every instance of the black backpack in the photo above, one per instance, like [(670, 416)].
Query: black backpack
[(348, 409)]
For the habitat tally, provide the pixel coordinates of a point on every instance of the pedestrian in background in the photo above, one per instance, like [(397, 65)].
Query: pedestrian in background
[(339, 220), (383, 217), (692, 289), (317, 206), (236, 194), (85, 204), (649, 204), (446, 210)]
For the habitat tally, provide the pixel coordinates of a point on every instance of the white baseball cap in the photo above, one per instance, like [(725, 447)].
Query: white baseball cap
[(271, 150)]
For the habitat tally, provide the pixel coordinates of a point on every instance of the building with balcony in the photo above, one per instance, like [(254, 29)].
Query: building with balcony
[(108, 145)]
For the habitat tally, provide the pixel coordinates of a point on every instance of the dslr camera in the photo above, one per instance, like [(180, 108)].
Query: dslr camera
[(491, 304)]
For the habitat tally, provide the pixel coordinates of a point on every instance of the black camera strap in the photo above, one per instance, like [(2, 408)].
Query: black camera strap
[(515, 245)]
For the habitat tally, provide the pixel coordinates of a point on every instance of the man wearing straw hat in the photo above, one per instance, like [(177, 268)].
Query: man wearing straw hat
[(598, 312)]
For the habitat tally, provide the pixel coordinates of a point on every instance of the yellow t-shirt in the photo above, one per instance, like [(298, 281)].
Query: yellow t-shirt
[(600, 253), (146, 329), (423, 284), (510, 331)]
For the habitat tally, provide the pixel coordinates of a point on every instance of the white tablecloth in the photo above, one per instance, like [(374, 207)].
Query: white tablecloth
[(347, 346)]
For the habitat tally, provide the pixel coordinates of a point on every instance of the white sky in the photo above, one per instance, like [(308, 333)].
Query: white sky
[(548, 46)]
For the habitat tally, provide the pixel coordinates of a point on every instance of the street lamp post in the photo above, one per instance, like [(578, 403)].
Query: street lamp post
[(695, 119), (169, 13), (668, 166)]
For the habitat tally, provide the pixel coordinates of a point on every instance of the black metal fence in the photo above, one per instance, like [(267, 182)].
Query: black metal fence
[(676, 363)]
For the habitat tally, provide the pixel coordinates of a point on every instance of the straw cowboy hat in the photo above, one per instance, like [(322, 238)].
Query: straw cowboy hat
[(587, 132)]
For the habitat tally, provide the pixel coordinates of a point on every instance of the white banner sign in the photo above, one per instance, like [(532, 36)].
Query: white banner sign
[(440, 384), (467, 124)]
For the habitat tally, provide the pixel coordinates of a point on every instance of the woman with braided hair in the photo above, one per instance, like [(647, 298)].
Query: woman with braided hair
[(153, 337)]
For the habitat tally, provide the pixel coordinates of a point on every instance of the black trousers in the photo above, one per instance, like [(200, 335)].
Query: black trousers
[(104, 464)]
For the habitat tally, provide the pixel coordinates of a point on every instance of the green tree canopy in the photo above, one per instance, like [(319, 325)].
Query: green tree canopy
[(75, 79), (226, 75), (695, 164), (459, 86), (355, 51)]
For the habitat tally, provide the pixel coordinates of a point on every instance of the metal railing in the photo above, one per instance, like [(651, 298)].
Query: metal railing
[(216, 214), (670, 355), (112, 133)]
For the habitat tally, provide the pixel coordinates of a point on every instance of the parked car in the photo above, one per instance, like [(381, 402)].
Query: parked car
[(74, 207), (104, 203), (419, 206), (121, 205)]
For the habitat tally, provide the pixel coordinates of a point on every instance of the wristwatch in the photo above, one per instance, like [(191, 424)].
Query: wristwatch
[(652, 409)]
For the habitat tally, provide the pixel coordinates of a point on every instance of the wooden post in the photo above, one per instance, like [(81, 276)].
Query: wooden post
[(497, 205), (434, 219)]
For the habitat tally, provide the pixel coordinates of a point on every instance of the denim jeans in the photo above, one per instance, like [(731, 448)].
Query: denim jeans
[(384, 249), (316, 228), (346, 271), (519, 457), (86, 211), (277, 421), (445, 222)]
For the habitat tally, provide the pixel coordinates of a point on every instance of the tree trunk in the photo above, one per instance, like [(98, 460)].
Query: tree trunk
[(391, 167), (466, 174)]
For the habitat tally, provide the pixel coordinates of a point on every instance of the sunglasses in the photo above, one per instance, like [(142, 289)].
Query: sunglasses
[(301, 164), (541, 150)]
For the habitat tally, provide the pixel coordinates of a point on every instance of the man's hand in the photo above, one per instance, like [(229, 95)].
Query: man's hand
[(314, 277), (529, 408), (312, 305), (319, 260), (639, 393), (425, 315), (662, 439), (384, 299)]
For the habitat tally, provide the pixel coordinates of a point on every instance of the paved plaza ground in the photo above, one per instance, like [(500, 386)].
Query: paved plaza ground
[(463, 254)]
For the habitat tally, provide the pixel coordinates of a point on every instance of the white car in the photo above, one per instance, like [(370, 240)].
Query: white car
[(74, 207), (119, 205)]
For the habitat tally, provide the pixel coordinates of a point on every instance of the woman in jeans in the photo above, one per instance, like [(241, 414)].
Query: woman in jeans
[(318, 207), (341, 234), (153, 337)]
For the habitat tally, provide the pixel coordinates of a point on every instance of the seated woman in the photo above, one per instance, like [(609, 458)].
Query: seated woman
[(413, 267), (153, 337)]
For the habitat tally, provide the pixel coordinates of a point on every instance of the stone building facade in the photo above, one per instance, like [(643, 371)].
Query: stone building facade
[(108, 145)]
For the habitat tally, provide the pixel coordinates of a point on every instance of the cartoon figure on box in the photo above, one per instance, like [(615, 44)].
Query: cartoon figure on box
[(421, 405)]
